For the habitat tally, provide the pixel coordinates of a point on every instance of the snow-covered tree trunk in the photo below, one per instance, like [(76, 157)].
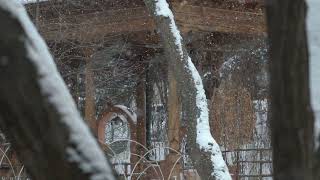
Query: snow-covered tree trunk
[(314, 54), (37, 112), (205, 152), (291, 114)]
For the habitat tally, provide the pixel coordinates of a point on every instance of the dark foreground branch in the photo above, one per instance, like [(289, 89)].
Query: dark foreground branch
[(37, 112), (291, 114)]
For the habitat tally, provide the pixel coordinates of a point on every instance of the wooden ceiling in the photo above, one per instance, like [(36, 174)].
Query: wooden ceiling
[(89, 21)]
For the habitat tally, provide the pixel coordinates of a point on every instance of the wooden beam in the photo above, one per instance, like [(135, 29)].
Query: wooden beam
[(94, 26)]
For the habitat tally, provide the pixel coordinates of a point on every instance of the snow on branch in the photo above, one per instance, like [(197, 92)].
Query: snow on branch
[(29, 1), (204, 138), (82, 148), (313, 26)]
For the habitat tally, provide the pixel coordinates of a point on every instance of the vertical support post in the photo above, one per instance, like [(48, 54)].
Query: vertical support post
[(238, 166), (141, 119), (133, 147), (90, 105), (260, 163), (174, 109), (149, 104)]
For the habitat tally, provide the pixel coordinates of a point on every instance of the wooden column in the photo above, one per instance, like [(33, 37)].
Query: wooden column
[(141, 119), (174, 109), (90, 108), (141, 122)]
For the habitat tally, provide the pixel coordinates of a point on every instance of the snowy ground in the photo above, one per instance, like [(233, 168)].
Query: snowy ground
[(314, 46)]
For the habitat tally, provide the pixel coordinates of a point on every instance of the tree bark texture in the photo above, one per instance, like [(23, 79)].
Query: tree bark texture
[(291, 114), (186, 92), (39, 131)]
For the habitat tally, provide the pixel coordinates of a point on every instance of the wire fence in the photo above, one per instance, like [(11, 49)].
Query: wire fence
[(244, 164), (250, 164), (10, 167)]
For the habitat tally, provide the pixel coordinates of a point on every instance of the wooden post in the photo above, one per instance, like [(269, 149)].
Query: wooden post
[(238, 166), (90, 108), (260, 164), (174, 109), (141, 116), (141, 120), (174, 125)]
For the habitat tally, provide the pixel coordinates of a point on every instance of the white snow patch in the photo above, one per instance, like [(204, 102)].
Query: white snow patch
[(229, 66), (204, 137), (162, 9), (29, 1), (83, 149), (158, 151), (207, 74), (313, 26), (261, 138)]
